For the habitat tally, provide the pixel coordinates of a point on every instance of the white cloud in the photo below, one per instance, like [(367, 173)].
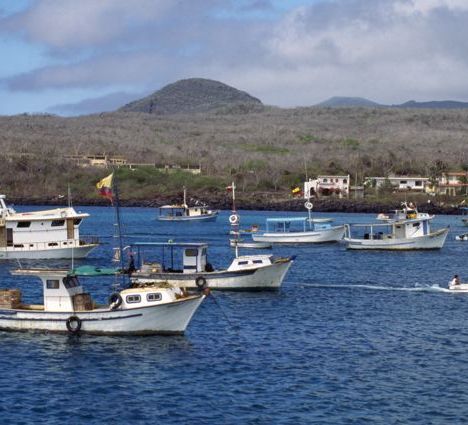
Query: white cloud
[(387, 50)]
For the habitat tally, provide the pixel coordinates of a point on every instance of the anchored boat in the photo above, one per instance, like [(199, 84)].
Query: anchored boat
[(138, 310), (186, 265), (46, 234), (406, 229), (185, 213)]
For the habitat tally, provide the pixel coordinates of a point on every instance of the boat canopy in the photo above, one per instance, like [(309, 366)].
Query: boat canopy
[(93, 271), (287, 220), (171, 244)]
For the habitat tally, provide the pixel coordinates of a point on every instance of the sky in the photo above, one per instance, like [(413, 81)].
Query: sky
[(73, 57)]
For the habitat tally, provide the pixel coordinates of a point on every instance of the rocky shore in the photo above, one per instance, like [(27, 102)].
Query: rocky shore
[(263, 201)]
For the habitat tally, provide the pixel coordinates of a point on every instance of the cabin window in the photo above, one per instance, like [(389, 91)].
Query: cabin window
[(77, 221), (403, 182), (52, 244), (191, 252), (415, 224), (154, 297), (52, 284), (243, 263), (204, 252), (418, 183), (23, 224), (133, 299), (70, 282), (18, 245), (258, 261), (58, 223)]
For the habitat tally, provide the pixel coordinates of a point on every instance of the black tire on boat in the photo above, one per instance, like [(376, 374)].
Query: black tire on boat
[(74, 324), (115, 301), (200, 281)]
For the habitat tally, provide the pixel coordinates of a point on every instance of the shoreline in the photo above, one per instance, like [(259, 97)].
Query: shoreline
[(255, 201)]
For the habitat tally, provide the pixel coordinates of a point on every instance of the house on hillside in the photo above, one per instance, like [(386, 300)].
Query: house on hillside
[(453, 183), (401, 183), (327, 186)]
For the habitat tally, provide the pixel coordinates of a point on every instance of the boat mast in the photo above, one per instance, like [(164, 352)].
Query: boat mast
[(119, 221), (235, 225)]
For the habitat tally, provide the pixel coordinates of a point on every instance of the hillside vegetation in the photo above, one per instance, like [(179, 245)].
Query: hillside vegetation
[(262, 148)]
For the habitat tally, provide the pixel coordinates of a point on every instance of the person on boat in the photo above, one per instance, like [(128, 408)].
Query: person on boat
[(455, 281), (131, 265)]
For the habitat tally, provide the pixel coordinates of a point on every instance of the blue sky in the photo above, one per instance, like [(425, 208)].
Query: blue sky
[(75, 57)]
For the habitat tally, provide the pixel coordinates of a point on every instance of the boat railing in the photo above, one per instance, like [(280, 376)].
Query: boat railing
[(370, 230), (89, 240)]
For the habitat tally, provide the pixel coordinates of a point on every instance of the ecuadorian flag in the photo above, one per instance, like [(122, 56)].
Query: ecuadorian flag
[(296, 191), (104, 186)]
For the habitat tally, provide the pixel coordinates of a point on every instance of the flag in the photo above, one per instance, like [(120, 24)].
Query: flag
[(296, 191), (104, 187)]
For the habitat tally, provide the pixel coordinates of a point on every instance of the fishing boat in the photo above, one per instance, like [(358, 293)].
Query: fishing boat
[(186, 265), (183, 212), (239, 243), (47, 234), (67, 308), (462, 237), (407, 229)]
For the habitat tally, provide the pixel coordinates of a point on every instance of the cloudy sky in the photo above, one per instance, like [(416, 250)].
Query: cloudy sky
[(79, 56)]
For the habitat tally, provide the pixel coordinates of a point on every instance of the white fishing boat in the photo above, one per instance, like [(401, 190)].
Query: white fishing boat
[(462, 237), (139, 310), (183, 212), (186, 265), (48, 234), (407, 229), (298, 230), (239, 243)]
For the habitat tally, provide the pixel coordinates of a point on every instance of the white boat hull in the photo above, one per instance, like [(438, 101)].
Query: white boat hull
[(252, 245), (205, 217), (433, 240), (462, 287), (170, 318), (50, 253), (263, 278), (334, 234)]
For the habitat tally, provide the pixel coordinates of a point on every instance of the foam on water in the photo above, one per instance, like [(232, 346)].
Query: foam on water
[(416, 288)]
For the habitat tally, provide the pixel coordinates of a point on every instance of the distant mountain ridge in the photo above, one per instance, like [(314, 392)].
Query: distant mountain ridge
[(194, 95), (360, 102)]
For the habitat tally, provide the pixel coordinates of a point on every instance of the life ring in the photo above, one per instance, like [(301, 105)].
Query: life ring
[(233, 219), (115, 301), (73, 324), (309, 205), (200, 281)]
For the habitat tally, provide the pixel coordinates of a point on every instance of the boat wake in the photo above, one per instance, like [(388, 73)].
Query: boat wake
[(415, 288)]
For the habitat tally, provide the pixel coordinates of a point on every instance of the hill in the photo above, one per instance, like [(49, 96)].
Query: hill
[(441, 104), (340, 102), (193, 95)]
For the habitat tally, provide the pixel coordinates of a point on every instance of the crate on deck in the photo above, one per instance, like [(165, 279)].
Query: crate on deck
[(10, 298)]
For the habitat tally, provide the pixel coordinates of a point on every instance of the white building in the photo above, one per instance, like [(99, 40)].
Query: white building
[(453, 183), (327, 186), (400, 182)]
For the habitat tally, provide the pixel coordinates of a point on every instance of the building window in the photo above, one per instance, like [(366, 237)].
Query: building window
[(58, 223), (133, 299), (153, 297), (23, 224), (403, 182), (345, 181), (52, 284), (418, 183)]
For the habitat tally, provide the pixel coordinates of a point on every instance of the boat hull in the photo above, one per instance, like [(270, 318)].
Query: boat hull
[(81, 251), (251, 245), (207, 217), (334, 234), (461, 288), (433, 240), (264, 278), (171, 319)]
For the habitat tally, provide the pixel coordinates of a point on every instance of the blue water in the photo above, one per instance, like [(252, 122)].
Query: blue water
[(352, 338)]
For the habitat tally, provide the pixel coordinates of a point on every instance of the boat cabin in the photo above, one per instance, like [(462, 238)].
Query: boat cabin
[(293, 224), (180, 211), (172, 257)]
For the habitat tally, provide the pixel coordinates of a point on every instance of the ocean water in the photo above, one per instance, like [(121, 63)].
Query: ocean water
[(351, 338)]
